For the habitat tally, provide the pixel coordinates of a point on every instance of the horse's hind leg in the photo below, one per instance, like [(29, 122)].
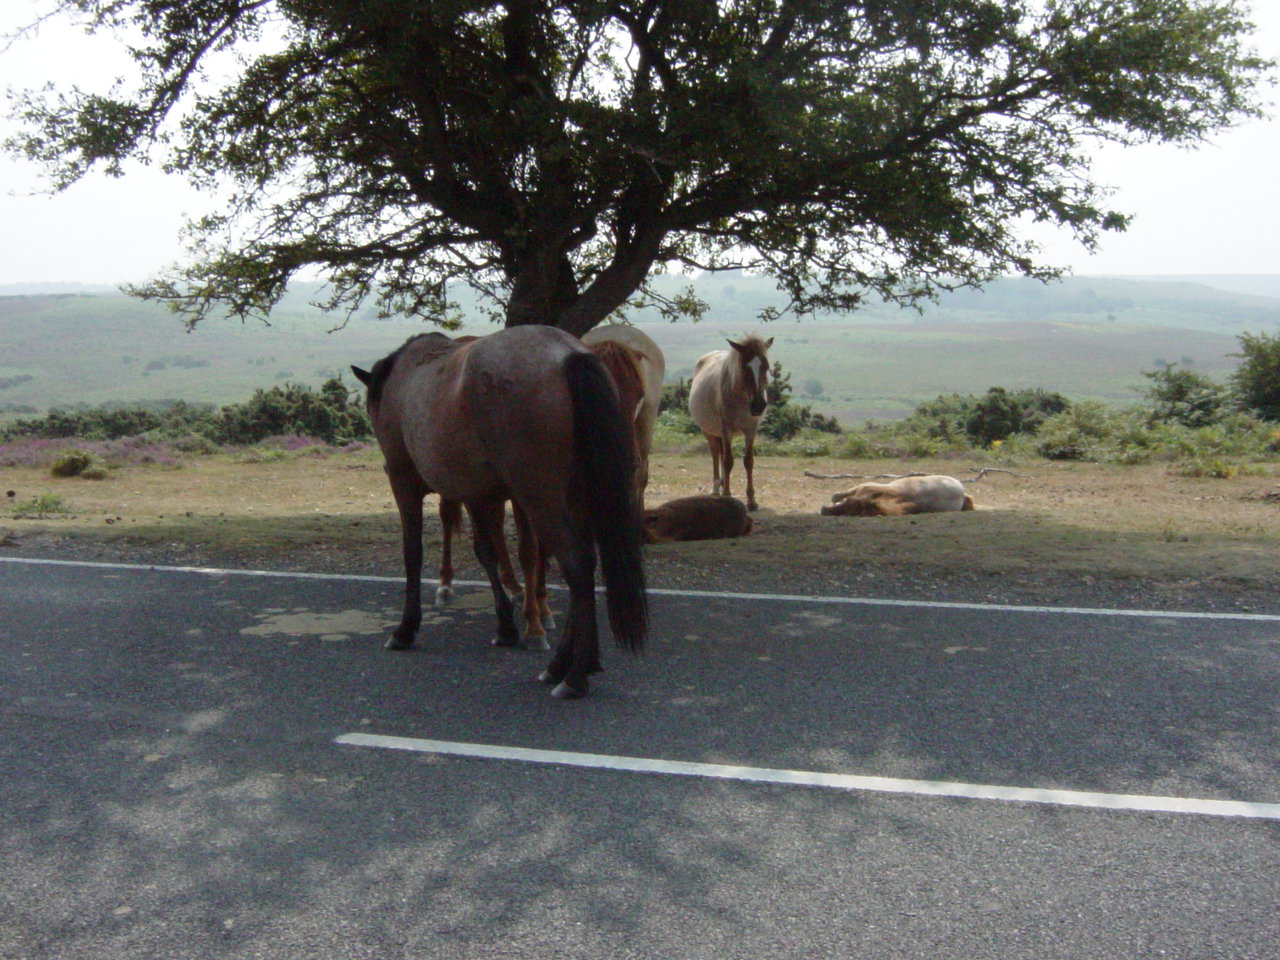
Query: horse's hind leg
[(578, 654), (533, 567), (408, 493), (486, 527), (450, 523), (506, 572)]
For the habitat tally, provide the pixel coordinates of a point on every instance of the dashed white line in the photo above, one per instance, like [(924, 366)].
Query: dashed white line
[(839, 781)]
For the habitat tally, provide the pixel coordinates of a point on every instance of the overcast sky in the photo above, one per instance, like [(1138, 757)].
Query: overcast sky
[(1215, 210)]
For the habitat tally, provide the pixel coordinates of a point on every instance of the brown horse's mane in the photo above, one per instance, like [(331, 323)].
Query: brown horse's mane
[(617, 360), (382, 369)]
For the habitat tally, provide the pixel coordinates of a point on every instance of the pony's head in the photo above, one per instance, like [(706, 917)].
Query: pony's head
[(375, 379), (753, 364)]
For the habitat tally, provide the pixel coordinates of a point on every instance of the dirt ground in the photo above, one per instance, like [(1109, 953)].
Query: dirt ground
[(1077, 534)]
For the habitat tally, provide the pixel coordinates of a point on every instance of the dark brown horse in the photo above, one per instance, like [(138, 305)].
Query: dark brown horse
[(530, 415), (624, 365)]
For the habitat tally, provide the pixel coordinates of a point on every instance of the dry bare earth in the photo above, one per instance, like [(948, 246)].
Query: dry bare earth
[(1066, 533)]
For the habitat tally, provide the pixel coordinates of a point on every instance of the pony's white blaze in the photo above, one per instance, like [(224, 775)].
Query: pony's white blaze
[(756, 366)]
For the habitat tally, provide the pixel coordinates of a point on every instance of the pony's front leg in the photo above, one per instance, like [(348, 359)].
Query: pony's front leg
[(715, 445), (748, 464), (450, 523), (726, 461), (409, 493), (486, 528)]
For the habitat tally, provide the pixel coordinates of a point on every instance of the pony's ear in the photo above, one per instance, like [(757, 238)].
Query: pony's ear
[(364, 376), (737, 346), (768, 343)]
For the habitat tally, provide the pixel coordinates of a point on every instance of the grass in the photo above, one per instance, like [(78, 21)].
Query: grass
[(1147, 527)]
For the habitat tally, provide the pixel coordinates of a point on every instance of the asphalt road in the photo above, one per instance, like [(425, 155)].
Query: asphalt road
[(171, 785)]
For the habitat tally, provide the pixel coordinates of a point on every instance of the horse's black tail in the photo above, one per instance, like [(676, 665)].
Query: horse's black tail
[(605, 455)]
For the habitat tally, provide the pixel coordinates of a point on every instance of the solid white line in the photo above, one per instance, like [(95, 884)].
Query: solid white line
[(838, 781), (695, 594)]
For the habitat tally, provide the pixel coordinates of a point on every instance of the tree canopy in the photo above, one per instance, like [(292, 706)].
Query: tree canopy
[(556, 153)]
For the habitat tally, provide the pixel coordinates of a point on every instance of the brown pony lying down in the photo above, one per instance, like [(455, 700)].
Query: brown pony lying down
[(935, 494), (697, 518)]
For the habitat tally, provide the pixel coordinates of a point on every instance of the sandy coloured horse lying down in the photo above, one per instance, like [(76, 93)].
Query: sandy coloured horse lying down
[(898, 498)]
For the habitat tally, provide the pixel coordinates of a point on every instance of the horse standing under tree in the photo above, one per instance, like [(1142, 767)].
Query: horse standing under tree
[(728, 396), (529, 415), (637, 366)]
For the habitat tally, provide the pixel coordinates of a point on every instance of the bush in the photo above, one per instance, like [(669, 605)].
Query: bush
[(997, 415), (1181, 396), (75, 463), (1076, 432), (329, 414), (1257, 379), (113, 422), (784, 419)]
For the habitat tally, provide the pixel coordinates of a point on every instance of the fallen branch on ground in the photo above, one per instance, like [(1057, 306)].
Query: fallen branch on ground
[(979, 473)]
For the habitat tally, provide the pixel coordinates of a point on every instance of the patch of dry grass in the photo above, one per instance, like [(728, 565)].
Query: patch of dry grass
[(1066, 524)]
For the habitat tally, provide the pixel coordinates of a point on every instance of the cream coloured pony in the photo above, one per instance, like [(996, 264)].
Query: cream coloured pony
[(728, 396)]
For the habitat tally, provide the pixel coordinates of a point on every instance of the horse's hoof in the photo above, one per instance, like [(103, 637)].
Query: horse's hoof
[(547, 677), (549, 620), (752, 505), (444, 595), (398, 643), (536, 643), (504, 642), (565, 692)]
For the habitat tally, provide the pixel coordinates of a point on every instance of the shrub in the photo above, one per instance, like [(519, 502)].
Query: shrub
[(983, 420), (784, 419), (1214, 467), (329, 414), (1181, 396), (1257, 379), (41, 505), (72, 463), (1074, 433)]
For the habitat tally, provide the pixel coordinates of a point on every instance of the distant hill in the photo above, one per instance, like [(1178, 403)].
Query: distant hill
[(1083, 337), (1254, 284)]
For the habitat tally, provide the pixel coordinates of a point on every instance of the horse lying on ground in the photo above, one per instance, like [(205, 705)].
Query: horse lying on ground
[(697, 518), (526, 414), (906, 495), (728, 396)]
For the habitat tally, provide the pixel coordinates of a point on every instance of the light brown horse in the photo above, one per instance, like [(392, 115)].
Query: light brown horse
[(638, 348), (530, 415), (728, 396)]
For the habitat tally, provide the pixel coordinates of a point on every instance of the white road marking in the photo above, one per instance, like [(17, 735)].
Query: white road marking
[(695, 594), (838, 781)]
